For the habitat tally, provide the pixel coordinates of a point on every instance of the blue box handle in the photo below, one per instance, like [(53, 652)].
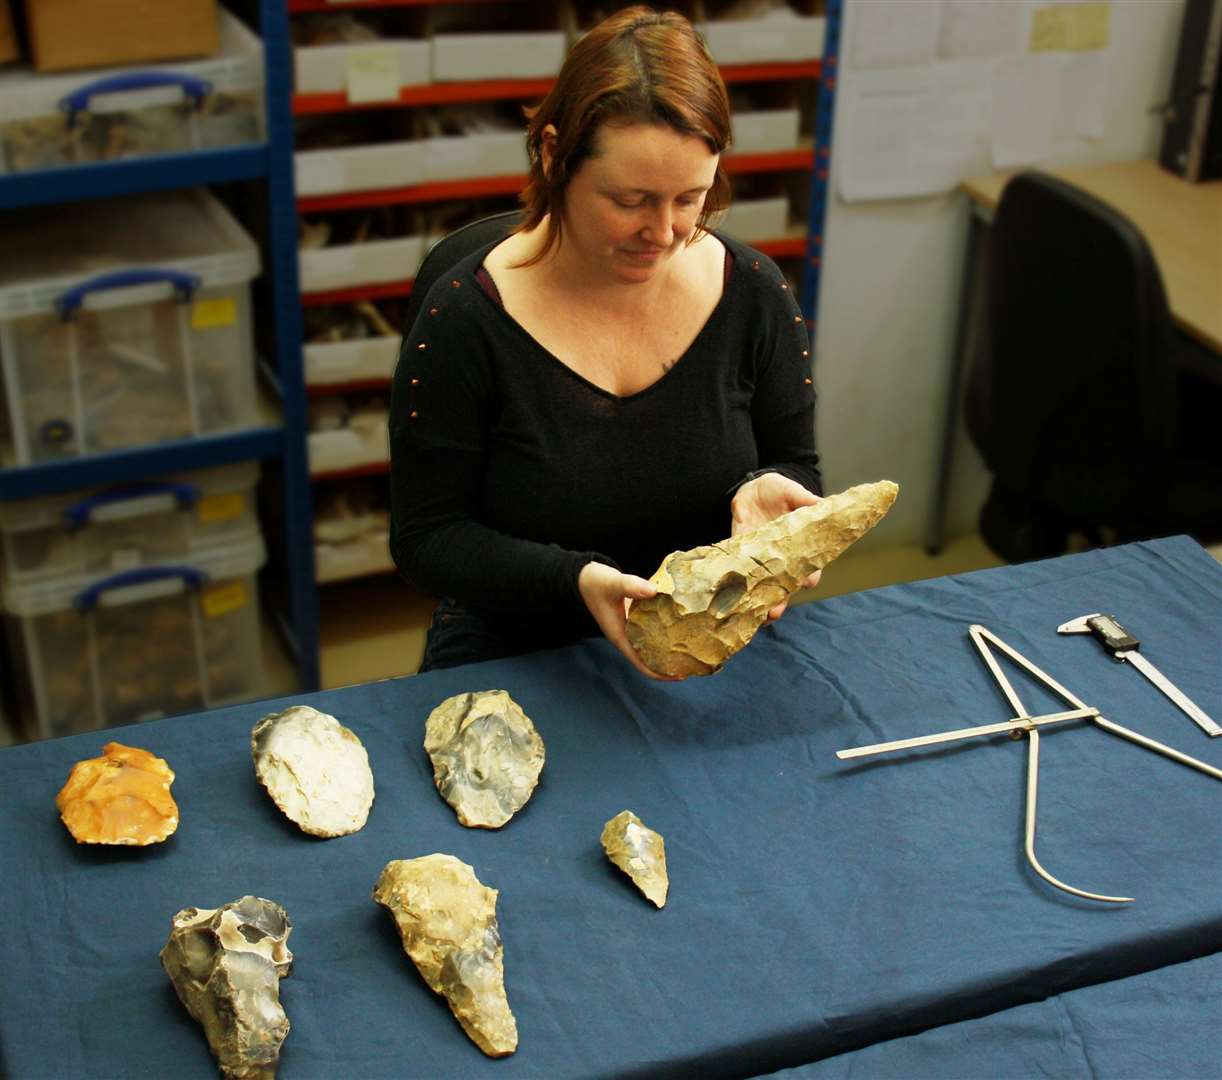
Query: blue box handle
[(78, 514), (88, 599), (69, 301), (76, 102)]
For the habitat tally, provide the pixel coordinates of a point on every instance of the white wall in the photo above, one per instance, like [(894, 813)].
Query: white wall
[(890, 295)]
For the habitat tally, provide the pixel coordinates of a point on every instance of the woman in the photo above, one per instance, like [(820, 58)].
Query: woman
[(610, 383)]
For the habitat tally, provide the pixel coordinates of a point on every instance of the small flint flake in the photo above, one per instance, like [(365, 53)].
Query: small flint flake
[(639, 852)]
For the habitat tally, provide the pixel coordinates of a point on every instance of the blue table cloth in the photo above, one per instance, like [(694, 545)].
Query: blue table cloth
[(816, 906), (1163, 1025)]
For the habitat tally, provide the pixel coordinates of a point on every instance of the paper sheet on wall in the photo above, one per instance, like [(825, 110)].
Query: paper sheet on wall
[(940, 90), (894, 33), (980, 30), (914, 131), (1045, 103), (1075, 27)]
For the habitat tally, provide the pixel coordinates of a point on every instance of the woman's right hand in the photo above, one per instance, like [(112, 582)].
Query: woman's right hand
[(608, 594)]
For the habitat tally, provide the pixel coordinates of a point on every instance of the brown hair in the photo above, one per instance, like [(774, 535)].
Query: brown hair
[(638, 65)]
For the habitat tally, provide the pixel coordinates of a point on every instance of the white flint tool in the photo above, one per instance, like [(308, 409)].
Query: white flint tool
[(1123, 646)]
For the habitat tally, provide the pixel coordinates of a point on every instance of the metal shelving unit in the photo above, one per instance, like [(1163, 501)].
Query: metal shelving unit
[(282, 442)]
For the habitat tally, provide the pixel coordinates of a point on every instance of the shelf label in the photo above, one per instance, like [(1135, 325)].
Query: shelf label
[(373, 74), (213, 313), (222, 599), (224, 507)]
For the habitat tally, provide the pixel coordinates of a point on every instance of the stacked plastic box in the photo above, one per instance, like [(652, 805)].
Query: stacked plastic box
[(124, 322), (135, 602), (104, 114)]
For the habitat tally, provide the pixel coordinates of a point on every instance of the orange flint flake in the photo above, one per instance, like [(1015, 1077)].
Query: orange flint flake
[(122, 797)]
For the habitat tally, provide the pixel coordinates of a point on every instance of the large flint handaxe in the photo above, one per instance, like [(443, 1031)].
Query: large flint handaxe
[(711, 600)]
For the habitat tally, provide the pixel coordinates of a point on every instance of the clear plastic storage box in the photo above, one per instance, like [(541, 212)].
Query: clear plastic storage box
[(138, 645), (50, 121), (101, 531), (124, 322)]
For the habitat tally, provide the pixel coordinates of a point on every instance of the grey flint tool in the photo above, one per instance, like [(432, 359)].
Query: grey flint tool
[(1123, 646)]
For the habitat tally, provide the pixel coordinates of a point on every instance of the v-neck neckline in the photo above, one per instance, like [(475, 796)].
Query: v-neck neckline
[(602, 391)]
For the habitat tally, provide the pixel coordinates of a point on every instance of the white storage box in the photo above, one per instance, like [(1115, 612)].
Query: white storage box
[(358, 557), (350, 361), (332, 69), (464, 57), (147, 643), (373, 262), (466, 157), (782, 36), (359, 168), (102, 531), (757, 219), (48, 121), (348, 448), (125, 322), (764, 130)]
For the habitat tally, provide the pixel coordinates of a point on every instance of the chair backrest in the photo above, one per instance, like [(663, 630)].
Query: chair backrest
[(1074, 398), (450, 250)]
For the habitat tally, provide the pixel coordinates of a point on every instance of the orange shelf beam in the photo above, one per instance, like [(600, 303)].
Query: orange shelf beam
[(780, 247), (513, 89), (356, 386), (298, 6), (441, 190), (358, 292), (374, 468), (433, 94)]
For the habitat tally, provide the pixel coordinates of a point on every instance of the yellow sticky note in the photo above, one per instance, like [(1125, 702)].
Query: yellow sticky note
[(1089, 26), (1050, 29), (224, 507), (214, 312), (372, 74), (222, 599)]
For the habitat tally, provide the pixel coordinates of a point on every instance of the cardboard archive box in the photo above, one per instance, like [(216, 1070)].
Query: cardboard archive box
[(69, 34)]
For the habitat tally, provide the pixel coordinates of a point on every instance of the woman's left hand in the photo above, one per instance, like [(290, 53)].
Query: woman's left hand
[(761, 500)]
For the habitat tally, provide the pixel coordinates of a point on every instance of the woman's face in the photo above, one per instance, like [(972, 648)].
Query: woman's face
[(631, 206)]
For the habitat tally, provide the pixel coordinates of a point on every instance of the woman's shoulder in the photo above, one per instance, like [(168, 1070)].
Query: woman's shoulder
[(755, 280), (452, 289), (750, 262)]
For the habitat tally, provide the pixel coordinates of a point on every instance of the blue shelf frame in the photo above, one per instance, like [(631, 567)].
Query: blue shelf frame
[(820, 183), (271, 162), (162, 172), (139, 463)]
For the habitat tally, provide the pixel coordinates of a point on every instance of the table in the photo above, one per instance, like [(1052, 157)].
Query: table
[(1162, 1024), (817, 907), (1181, 221)]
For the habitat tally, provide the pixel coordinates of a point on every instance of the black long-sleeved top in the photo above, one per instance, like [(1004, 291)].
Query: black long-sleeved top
[(509, 471)]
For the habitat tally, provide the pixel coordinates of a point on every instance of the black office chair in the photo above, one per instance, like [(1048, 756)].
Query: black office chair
[(1075, 399), (449, 251)]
